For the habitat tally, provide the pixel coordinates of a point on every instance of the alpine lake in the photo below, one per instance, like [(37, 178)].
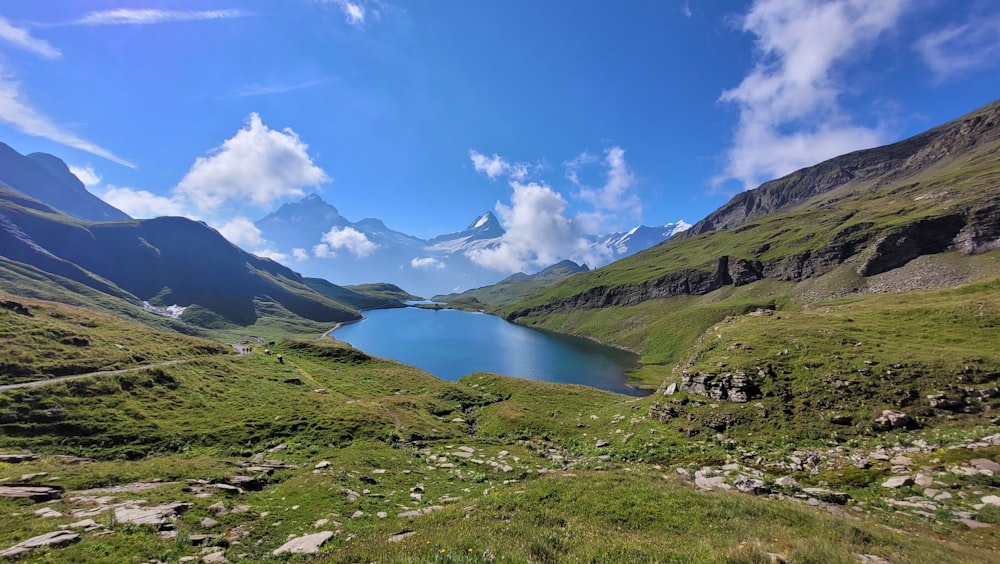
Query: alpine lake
[(451, 344)]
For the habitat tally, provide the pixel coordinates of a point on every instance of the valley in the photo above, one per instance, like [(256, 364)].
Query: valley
[(822, 350)]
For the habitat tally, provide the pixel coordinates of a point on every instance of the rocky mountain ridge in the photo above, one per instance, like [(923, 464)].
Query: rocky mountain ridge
[(934, 192)]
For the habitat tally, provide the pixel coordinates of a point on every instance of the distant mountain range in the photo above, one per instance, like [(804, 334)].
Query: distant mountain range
[(330, 246)]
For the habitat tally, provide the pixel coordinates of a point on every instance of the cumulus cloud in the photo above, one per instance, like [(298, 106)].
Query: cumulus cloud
[(538, 233), (346, 238), (258, 165), (790, 116), (86, 174), (21, 39), (300, 254), (241, 231), (141, 204), (496, 166), (962, 48), (613, 200), (427, 263), (128, 16), (16, 110)]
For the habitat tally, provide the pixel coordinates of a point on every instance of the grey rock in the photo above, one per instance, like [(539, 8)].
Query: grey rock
[(898, 482), (54, 539), (156, 516), (985, 464), (401, 536), (306, 544), (34, 493), (890, 420)]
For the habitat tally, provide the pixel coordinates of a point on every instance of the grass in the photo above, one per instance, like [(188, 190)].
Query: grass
[(558, 473)]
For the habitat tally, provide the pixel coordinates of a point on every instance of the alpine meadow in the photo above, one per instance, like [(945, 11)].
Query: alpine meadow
[(810, 367)]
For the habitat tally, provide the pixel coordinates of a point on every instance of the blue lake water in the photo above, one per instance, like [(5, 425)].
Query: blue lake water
[(451, 344)]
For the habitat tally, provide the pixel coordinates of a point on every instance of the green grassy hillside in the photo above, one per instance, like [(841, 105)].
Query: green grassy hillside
[(488, 467)]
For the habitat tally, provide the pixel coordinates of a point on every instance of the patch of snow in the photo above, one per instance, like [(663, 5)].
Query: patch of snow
[(482, 221), (173, 311), (675, 228)]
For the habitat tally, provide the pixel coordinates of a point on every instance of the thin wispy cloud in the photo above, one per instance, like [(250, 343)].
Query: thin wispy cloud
[(129, 16), (267, 90), (789, 110), (354, 12), (17, 111), (963, 48), (21, 39)]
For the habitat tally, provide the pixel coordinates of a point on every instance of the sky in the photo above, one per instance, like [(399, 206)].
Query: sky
[(560, 116)]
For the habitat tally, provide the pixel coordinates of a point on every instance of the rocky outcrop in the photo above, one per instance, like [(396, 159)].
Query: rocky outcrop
[(55, 539), (736, 387), (900, 246)]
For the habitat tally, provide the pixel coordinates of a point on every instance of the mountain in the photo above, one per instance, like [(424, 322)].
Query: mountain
[(511, 289), (481, 233), (921, 214), (47, 178), (425, 267), (639, 238), (168, 264), (866, 169)]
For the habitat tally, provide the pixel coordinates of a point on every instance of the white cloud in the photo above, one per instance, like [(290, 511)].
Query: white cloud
[(241, 231), (127, 16), (21, 39), (300, 254), (427, 263), (611, 201), (538, 233), (86, 174), (258, 165), (346, 238), (261, 90), (496, 166), (686, 9), (17, 111), (963, 48), (141, 204), (271, 254), (794, 85)]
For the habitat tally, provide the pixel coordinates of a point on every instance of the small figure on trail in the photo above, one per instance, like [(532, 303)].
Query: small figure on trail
[(281, 359)]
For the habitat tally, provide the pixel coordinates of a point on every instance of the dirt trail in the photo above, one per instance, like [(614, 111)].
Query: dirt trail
[(37, 383)]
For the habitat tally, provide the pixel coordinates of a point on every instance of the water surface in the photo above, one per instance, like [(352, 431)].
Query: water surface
[(451, 344)]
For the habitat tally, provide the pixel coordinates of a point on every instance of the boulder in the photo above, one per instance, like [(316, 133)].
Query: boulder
[(34, 493), (898, 482), (306, 544), (156, 516), (54, 539), (890, 419)]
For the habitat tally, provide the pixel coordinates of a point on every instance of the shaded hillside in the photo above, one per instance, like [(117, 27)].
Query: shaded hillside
[(861, 170), (165, 261), (47, 178)]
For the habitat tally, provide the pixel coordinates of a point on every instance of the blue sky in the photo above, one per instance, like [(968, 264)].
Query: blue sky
[(585, 115)]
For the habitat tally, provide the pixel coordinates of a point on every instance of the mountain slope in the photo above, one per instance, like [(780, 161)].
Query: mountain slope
[(938, 226), (513, 288), (166, 261), (866, 169), (47, 178)]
